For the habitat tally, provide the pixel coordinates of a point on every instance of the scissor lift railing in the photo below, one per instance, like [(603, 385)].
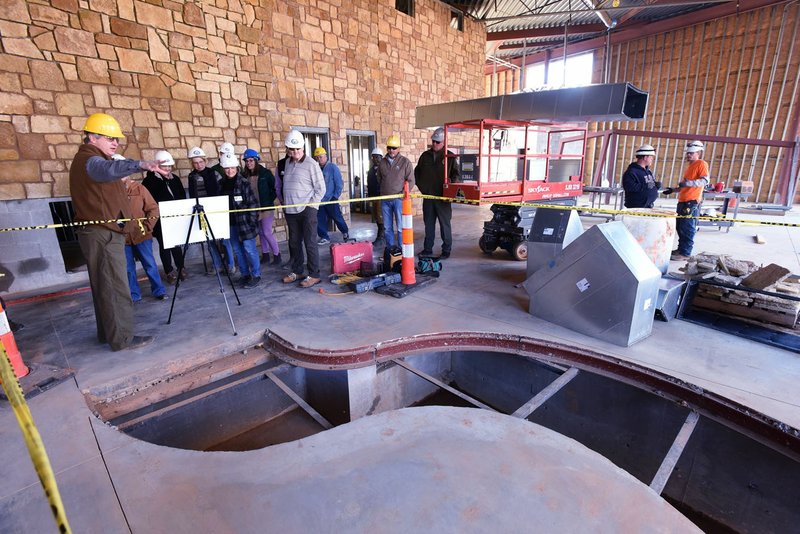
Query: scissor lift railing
[(547, 162)]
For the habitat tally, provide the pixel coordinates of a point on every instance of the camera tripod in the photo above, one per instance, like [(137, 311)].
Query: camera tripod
[(199, 214)]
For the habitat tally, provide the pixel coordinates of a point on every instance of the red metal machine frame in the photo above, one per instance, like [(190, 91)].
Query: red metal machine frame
[(518, 188)]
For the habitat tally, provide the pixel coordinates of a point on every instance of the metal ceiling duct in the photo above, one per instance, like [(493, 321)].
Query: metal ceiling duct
[(603, 102)]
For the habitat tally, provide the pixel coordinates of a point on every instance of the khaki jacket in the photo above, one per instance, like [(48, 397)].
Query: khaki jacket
[(142, 206)]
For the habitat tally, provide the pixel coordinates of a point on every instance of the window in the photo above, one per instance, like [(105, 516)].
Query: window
[(405, 6), (578, 73), (314, 137), (457, 20), (359, 147)]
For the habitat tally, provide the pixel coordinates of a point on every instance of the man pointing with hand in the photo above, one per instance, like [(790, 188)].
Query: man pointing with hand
[(99, 199)]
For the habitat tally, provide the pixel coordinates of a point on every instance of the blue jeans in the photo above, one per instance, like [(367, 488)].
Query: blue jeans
[(686, 226), (144, 252), (215, 255), (247, 255), (392, 211), (331, 211)]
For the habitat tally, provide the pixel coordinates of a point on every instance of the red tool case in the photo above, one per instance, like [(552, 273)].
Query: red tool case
[(347, 257)]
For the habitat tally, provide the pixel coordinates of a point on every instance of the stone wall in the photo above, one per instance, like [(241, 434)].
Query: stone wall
[(180, 74)]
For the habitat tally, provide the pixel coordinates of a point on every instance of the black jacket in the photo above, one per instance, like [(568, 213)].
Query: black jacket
[(641, 188), (162, 189), (429, 172), (204, 183), (241, 197)]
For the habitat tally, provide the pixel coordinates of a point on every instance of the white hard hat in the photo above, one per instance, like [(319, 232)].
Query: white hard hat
[(226, 148), (377, 152), (645, 150), (227, 161), (709, 212), (694, 146), (295, 140), (438, 135), (118, 157), (196, 152), (164, 157)]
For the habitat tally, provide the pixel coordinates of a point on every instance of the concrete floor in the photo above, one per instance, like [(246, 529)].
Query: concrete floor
[(161, 489)]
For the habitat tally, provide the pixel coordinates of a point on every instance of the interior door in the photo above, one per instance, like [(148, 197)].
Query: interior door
[(359, 146)]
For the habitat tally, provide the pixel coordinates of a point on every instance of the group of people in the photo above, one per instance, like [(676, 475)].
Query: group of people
[(232, 182), (121, 216), (103, 193), (388, 176), (642, 189)]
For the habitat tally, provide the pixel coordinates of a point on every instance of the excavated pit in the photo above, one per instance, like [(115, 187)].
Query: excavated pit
[(729, 475)]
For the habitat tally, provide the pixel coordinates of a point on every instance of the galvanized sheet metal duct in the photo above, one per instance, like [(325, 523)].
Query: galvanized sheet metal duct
[(605, 102)]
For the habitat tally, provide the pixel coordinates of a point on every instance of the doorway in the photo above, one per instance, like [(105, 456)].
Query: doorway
[(359, 146)]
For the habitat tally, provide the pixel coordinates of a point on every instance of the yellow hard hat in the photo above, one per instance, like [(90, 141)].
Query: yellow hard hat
[(393, 141), (100, 123), (319, 151)]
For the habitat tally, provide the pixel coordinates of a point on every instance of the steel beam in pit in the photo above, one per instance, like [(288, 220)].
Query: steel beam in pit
[(300, 402), (442, 385), (554, 387), (674, 453)]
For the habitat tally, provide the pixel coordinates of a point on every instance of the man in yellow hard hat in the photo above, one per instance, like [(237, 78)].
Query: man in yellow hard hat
[(393, 171), (100, 200), (333, 189)]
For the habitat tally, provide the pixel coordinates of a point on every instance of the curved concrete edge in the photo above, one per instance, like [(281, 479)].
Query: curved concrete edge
[(774, 433), (428, 468)]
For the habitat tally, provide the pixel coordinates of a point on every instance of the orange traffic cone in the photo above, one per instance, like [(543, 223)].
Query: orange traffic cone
[(10, 345), (407, 275)]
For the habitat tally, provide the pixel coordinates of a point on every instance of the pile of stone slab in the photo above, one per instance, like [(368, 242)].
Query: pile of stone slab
[(776, 305)]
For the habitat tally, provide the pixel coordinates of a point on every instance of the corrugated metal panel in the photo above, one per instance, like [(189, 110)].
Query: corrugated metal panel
[(652, 14), (557, 14)]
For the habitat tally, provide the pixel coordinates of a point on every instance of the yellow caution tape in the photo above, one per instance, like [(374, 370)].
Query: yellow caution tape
[(141, 219), (654, 214), (541, 203), (32, 440)]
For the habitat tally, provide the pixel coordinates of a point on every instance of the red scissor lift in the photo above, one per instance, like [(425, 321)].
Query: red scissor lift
[(503, 161)]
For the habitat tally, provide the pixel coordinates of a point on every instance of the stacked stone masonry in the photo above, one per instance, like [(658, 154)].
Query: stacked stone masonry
[(182, 74), (778, 303)]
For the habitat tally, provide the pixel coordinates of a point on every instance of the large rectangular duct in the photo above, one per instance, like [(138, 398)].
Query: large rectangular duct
[(602, 285), (603, 102)]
